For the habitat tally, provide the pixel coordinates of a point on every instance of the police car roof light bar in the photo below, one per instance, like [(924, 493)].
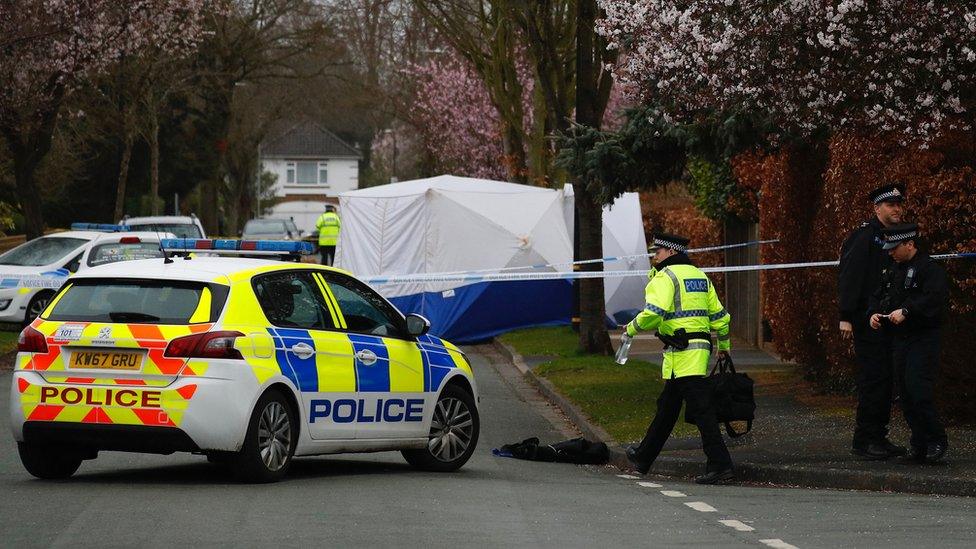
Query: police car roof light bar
[(104, 227), (235, 247)]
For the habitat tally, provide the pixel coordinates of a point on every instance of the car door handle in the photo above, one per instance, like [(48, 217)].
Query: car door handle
[(367, 357), (302, 350)]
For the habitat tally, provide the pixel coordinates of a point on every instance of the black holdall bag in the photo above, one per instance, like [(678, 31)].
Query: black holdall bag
[(731, 396)]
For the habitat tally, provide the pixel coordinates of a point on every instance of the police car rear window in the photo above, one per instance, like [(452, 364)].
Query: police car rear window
[(118, 251), (139, 302)]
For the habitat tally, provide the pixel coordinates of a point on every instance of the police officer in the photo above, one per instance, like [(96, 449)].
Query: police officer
[(909, 306), (862, 261), (328, 227), (683, 307)]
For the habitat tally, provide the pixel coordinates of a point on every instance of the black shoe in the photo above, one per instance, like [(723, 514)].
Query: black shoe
[(715, 477), (871, 452), (893, 449), (640, 466), (915, 455), (936, 451)]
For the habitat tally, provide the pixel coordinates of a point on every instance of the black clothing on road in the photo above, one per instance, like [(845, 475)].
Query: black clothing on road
[(862, 262), (695, 393), (921, 289)]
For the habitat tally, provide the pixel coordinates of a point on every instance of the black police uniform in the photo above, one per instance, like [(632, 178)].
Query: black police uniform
[(862, 261), (920, 287)]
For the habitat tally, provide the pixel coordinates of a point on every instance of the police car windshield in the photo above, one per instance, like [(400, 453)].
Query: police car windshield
[(103, 254), (181, 230), (139, 301), (41, 251)]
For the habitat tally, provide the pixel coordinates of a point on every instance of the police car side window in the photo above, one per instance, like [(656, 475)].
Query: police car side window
[(363, 310), (292, 300)]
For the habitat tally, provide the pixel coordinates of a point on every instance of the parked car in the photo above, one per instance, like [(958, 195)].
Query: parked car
[(271, 229), (183, 226)]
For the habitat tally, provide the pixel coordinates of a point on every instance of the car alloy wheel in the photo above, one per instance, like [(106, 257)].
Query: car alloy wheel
[(450, 430), (274, 436)]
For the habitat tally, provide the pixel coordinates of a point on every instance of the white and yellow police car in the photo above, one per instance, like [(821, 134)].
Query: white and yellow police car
[(248, 361)]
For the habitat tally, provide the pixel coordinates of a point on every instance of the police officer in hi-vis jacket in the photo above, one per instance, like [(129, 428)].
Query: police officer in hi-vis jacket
[(683, 308)]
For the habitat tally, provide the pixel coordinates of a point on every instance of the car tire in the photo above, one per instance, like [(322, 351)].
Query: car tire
[(454, 431), (269, 445), (36, 306), (48, 462)]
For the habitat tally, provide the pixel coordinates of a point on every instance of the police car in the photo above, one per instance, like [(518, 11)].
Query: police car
[(248, 361), (33, 271)]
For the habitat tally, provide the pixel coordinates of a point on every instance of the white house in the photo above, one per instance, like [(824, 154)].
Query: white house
[(313, 166)]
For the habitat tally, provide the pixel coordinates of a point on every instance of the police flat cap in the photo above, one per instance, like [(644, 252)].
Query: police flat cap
[(896, 234), (894, 192), (670, 241)]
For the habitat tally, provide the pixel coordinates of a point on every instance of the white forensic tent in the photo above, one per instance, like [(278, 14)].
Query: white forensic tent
[(623, 235), (449, 223)]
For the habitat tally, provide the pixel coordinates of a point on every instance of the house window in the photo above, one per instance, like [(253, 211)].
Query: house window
[(307, 173)]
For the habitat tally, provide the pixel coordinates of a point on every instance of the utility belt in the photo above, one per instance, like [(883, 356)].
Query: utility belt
[(680, 338)]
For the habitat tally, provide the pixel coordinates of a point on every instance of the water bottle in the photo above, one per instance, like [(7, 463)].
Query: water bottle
[(621, 356)]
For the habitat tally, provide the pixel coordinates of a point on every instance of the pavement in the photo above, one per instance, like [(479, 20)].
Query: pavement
[(799, 437)]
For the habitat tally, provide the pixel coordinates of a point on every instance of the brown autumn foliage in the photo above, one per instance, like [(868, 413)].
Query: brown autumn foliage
[(811, 199)]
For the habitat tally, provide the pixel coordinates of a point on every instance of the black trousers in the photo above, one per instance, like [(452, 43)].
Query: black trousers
[(875, 381), (695, 393), (328, 254), (916, 357)]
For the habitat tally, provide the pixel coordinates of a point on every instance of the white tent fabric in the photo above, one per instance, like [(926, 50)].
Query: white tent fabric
[(449, 223), (623, 234)]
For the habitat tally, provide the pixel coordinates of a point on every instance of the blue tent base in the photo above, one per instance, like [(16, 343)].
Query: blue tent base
[(481, 311)]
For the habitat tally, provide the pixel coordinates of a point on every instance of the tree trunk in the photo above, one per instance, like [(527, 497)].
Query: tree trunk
[(593, 336), (127, 144), (153, 162), (30, 199)]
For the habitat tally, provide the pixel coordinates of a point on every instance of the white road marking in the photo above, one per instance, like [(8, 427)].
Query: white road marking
[(649, 485), (672, 493), (778, 544), (738, 525), (628, 477), (701, 506)]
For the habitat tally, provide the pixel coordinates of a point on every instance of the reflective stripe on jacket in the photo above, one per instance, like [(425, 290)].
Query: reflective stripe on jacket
[(328, 226), (681, 296)]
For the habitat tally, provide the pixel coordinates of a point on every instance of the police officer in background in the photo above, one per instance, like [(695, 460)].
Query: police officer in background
[(328, 227), (862, 260), (910, 306), (683, 307)]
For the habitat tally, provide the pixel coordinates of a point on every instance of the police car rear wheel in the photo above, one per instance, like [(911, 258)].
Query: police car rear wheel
[(270, 441), (48, 462), (454, 431)]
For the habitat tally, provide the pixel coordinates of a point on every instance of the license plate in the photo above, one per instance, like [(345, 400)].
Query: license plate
[(106, 360)]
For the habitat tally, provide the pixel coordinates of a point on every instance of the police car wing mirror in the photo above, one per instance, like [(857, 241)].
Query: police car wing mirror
[(417, 325)]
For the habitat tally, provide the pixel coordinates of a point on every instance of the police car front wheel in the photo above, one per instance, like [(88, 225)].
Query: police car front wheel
[(453, 436), (270, 441)]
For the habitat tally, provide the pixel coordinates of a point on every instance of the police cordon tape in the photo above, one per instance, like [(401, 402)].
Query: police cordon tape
[(610, 259), (501, 277), (11, 280)]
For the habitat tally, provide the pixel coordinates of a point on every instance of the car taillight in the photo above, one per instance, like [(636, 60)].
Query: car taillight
[(31, 341), (206, 345)]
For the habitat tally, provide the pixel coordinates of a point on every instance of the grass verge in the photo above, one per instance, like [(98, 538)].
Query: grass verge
[(8, 342), (621, 399)]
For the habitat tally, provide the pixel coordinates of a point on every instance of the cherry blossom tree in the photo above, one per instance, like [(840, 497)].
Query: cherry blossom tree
[(49, 47), (903, 66)]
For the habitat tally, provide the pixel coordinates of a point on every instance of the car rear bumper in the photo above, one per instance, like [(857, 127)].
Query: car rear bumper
[(96, 437)]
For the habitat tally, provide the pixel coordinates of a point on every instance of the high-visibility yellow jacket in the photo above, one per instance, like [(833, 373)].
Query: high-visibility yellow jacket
[(328, 226), (679, 295)]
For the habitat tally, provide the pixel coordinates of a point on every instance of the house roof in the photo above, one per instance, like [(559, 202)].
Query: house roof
[(306, 139)]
